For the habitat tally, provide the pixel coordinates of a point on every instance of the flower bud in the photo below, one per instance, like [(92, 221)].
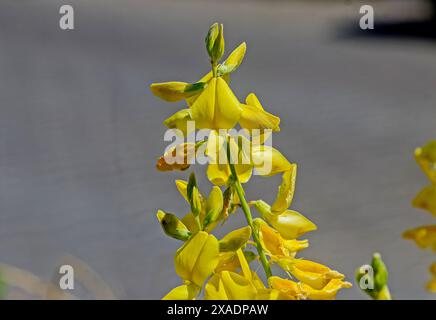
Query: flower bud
[(172, 226), (194, 196), (215, 42), (214, 205)]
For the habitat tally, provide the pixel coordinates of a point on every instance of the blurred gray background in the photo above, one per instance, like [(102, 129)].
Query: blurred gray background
[(80, 131)]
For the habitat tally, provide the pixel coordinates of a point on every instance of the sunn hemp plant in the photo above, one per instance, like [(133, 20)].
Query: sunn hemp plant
[(221, 267)]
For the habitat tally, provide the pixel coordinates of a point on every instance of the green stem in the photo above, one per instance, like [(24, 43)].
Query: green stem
[(248, 216)]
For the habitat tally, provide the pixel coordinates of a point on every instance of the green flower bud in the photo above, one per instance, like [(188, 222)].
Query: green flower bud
[(380, 272), (215, 42), (194, 196), (214, 205), (172, 226), (373, 279)]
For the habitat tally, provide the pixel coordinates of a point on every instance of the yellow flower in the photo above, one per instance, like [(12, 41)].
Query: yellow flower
[(288, 289), (254, 116), (228, 285), (424, 237), (276, 246), (313, 274), (426, 158), (290, 224), (328, 292), (426, 199), (235, 240), (197, 258), (183, 292), (176, 91), (229, 261)]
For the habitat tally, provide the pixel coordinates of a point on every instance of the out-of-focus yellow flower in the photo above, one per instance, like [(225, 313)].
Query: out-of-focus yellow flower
[(431, 285), (426, 158), (197, 258), (183, 292), (313, 274), (288, 289), (290, 224), (424, 237), (426, 199), (328, 292)]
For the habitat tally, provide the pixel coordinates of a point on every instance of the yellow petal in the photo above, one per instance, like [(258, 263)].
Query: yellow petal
[(426, 199), (179, 121), (216, 107), (288, 289), (229, 286), (234, 60), (253, 116), (290, 224), (235, 239), (269, 161), (229, 261), (197, 258), (189, 221), (313, 274), (175, 91), (424, 237), (286, 190), (182, 186), (183, 292), (328, 292)]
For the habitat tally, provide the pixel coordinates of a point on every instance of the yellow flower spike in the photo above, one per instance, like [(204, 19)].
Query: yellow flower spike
[(253, 116), (289, 290), (426, 158), (172, 226), (176, 91), (229, 286), (424, 237), (183, 292), (286, 190), (329, 292), (177, 158), (269, 161), (179, 121), (235, 240), (313, 274), (233, 61), (290, 224), (426, 199), (216, 107), (197, 258)]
